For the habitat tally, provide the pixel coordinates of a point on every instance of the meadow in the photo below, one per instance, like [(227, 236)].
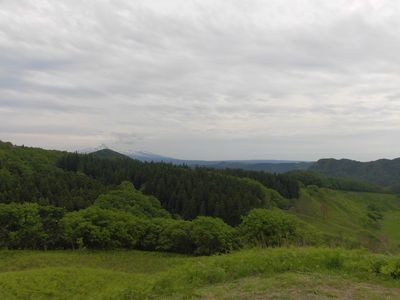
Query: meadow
[(274, 273), (348, 219)]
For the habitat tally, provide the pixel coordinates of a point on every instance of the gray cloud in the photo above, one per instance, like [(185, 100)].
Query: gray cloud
[(203, 79)]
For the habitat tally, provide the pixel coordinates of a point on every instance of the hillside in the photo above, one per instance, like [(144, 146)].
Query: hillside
[(383, 172), (73, 181), (31, 175), (352, 218)]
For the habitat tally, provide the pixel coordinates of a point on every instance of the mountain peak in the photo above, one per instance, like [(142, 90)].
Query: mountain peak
[(108, 153)]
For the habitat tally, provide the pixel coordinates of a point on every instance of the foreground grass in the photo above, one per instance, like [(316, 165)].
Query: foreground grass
[(298, 286), (250, 274), (123, 261)]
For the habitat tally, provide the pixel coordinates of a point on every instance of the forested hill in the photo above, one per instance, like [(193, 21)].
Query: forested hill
[(185, 191), (108, 153), (74, 181), (294, 173), (383, 172)]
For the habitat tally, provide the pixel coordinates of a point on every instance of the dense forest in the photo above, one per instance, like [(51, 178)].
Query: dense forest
[(186, 191), (126, 218), (31, 175), (336, 183)]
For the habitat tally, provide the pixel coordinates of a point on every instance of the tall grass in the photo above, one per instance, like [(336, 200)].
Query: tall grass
[(184, 280), (146, 275)]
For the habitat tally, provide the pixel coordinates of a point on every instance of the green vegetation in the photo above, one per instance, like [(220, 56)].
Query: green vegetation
[(31, 175), (130, 200), (126, 218), (390, 226), (90, 208), (74, 181), (285, 185), (383, 172), (182, 190), (109, 154), (345, 184), (60, 202), (274, 228), (298, 286), (144, 275), (352, 219)]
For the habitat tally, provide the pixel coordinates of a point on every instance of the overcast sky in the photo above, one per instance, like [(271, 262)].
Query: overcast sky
[(232, 79)]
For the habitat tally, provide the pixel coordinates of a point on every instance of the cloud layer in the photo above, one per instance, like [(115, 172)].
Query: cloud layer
[(287, 79)]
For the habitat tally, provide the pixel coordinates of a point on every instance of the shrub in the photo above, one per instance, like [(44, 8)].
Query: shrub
[(211, 235), (272, 228), (392, 268), (104, 229), (29, 226), (130, 200), (20, 226), (176, 237)]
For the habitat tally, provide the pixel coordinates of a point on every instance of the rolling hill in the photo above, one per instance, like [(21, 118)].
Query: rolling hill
[(371, 220), (271, 166), (108, 153), (383, 172)]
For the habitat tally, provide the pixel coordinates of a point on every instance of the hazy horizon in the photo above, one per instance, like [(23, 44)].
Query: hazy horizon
[(234, 80), (138, 151)]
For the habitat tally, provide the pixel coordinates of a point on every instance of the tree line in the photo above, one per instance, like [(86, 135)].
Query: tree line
[(126, 218), (346, 184)]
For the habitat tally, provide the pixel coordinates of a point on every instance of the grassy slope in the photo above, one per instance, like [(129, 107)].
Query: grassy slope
[(298, 286), (249, 274), (81, 275), (391, 226), (346, 216)]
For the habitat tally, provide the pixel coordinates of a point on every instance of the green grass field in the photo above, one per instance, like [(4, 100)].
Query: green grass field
[(391, 226), (299, 286), (308, 273), (344, 214)]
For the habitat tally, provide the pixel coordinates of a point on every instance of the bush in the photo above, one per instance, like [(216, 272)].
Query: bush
[(20, 226), (392, 268), (130, 200), (176, 237), (29, 226), (104, 229), (212, 235), (273, 228), (97, 228)]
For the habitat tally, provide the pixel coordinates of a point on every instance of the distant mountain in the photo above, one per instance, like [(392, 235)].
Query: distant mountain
[(383, 172), (148, 156), (273, 166), (94, 149), (108, 153)]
